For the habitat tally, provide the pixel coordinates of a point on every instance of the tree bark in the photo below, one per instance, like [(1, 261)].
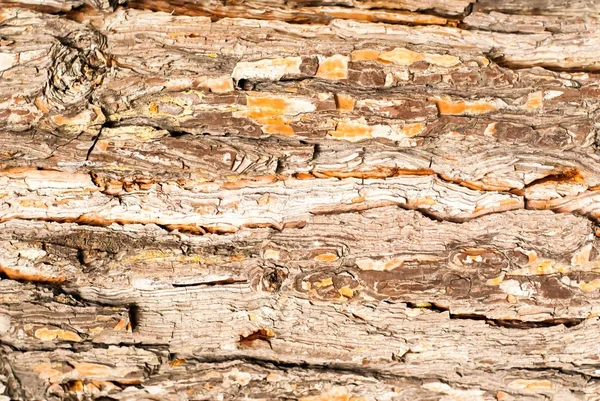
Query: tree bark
[(314, 200)]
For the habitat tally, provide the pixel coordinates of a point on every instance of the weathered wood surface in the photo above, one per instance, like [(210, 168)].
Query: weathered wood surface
[(315, 200)]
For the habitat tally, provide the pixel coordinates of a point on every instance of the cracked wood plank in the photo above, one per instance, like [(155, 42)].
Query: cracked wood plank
[(312, 200)]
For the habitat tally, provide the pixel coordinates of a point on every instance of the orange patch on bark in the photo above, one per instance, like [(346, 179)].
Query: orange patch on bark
[(220, 228), (101, 146), (411, 130), (153, 108), (447, 106), (177, 362), (33, 203), (351, 131), (401, 56), (17, 274), (380, 172), (334, 67), (121, 325), (186, 228), (365, 55), (566, 175), (260, 334), (346, 291), (534, 101), (46, 334), (264, 109), (344, 102), (220, 85), (304, 176), (531, 385), (589, 286), (41, 104), (326, 282), (326, 257), (405, 57), (280, 129)]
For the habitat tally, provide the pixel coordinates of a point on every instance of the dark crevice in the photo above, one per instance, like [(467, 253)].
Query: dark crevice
[(91, 149), (336, 367), (508, 323), (134, 317), (210, 283)]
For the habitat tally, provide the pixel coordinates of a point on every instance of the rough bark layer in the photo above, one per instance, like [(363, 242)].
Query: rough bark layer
[(314, 200)]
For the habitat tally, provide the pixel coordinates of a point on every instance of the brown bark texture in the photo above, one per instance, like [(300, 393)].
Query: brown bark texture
[(329, 200)]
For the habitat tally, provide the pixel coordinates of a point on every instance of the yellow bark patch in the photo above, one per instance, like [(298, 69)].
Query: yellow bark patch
[(531, 385), (334, 67), (447, 106), (404, 57), (379, 265), (92, 369), (46, 334), (357, 130), (411, 130), (351, 131), (344, 103), (346, 291), (582, 256), (365, 55), (326, 257), (589, 286), (324, 283), (33, 203), (534, 101), (278, 129), (495, 281), (275, 112), (47, 371), (401, 56), (153, 108)]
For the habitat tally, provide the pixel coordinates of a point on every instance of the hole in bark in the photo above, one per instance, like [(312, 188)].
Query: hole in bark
[(134, 317), (260, 335), (245, 84), (273, 279)]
